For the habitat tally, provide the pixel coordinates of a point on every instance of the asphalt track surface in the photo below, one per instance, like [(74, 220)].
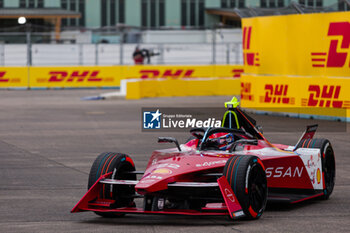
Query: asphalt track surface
[(49, 139)]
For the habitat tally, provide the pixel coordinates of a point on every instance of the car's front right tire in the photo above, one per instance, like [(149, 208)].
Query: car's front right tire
[(119, 164), (246, 175)]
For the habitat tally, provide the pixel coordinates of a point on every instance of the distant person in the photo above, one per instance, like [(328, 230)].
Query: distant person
[(138, 56)]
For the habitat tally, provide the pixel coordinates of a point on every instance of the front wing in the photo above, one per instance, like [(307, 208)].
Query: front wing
[(92, 201)]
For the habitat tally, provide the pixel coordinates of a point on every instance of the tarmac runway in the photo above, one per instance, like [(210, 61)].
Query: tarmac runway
[(49, 139)]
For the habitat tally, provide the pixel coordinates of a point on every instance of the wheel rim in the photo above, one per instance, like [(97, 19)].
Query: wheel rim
[(257, 188)]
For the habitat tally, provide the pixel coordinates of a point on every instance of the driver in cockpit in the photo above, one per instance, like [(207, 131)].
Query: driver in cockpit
[(233, 119)]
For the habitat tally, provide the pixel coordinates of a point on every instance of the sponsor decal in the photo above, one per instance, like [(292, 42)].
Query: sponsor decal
[(324, 96), (318, 175), (153, 177), (246, 91), (146, 181), (277, 94), (229, 195), (59, 76), (169, 165), (250, 58), (239, 214), (277, 172), (162, 171), (313, 165), (213, 163), (5, 79), (339, 45), (237, 73), (169, 73)]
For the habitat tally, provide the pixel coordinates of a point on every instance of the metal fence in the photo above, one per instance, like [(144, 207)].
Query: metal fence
[(31, 50)]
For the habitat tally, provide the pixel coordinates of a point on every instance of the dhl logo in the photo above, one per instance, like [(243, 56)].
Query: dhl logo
[(237, 73), (246, 91), (277, 94), (338, 49), (250, 58), (324, 96), (174, 74), (5, 79), (74, 76)]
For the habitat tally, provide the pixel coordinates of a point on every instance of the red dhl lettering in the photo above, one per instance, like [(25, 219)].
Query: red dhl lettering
[(246, 91), (250, 58), (2, 76), (335, 58), (277, 94), (237, 73), (5, 79), (74, 76), (324, 96), (174, 74)]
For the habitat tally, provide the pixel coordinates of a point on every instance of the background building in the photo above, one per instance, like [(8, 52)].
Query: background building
[(106, 32), (153, 14)]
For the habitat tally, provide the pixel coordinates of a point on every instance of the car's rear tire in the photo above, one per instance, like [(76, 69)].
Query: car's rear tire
[(328, 161), (246, 175), (118, 164)]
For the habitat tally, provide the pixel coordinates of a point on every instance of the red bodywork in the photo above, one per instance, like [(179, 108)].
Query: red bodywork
[(293, 175), (284, 170)]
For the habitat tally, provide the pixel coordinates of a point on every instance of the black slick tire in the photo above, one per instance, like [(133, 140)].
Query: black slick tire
[(118, 164), (246, 175)]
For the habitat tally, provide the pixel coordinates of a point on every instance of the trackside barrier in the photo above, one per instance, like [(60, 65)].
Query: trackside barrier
[(73, 77), (136, 89), (305, 96), (299, 62), (106, 76), (14, 77), (301, 45)]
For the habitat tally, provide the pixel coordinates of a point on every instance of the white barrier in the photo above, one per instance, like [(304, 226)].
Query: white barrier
[(111, 54)]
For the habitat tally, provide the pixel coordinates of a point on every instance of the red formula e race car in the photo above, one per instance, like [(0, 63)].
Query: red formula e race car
[(232, 170)]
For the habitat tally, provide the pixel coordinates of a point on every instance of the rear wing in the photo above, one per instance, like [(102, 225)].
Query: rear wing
[(308, 134)]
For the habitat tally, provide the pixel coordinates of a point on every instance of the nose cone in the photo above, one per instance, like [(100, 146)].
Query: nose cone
[(158, 176)]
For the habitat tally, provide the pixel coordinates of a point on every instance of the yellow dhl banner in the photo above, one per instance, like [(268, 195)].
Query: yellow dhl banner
[(106, 76), (110, 76), (60, 77), (182, 71), (308, 95), (305, 45), (13, 77)]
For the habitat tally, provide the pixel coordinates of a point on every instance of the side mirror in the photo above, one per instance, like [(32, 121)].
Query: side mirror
[(169, 140)]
